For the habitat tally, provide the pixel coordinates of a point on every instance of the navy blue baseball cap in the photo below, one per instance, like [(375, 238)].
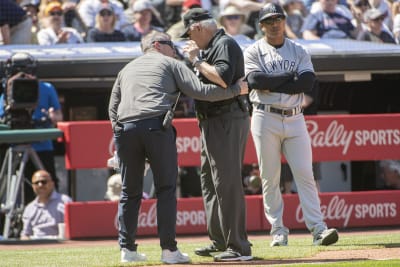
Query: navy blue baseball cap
[(192, 16), (270, 10)]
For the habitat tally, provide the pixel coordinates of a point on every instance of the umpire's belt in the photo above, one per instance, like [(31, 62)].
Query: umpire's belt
[(213, 111), (283, 112), (154, 123)]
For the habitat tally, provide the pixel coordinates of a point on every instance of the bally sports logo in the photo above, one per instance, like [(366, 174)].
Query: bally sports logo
[(148, 218), (336, 135), (337, 210)]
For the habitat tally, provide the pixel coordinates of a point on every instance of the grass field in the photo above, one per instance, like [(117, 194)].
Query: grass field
[(300, 252)]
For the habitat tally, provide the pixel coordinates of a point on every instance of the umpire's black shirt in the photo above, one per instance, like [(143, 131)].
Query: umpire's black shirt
[(225, 54)]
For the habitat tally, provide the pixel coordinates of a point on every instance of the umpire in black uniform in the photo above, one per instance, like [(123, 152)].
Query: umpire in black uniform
[(224, 127), (143, 92)]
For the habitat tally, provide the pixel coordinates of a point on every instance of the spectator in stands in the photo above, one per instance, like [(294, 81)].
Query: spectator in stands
[(358, 8), (396, 21), (234, 22), (15, 24), (176, 30), (71, 17), (54, 31), (42, 216), (250, 9), (330, 21), (294, 17), (374, 31), (385, 7), (32, 9), (142, 24), (157, 16), (173, 11), (88, 10), (104, 30), (391, 173)]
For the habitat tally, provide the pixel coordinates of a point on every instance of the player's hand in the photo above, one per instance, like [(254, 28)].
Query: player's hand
[(191, 49)]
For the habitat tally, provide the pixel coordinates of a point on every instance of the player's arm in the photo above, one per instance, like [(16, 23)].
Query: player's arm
[(190, 85), (262, 81), (222, 70), (302, 84), (210, 72)]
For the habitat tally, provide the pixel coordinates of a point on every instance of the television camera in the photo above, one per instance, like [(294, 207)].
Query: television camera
[(20, 91)]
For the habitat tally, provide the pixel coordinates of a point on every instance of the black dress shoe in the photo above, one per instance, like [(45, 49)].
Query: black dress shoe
[(206, 251)]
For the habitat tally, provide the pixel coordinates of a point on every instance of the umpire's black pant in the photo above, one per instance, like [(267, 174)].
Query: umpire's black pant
[(136, 141), (223, 140)]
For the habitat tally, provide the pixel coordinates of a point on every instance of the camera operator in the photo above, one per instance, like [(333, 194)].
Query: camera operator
[(45, 113)]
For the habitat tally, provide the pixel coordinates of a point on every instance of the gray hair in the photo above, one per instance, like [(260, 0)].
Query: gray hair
[(151, 37), (209, 23)]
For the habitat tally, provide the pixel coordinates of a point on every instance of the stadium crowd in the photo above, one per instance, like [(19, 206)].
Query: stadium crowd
[(47, 22)]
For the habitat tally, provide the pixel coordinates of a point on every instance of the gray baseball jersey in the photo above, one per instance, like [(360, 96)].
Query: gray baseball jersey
[(290, 58)]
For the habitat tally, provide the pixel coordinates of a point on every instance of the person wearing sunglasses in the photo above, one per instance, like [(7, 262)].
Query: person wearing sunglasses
[(104, 30), (55, 32), (143, 21), (234, 23), (143, 93), (42, 216), (374, 30), (88, 10), (279, 72)]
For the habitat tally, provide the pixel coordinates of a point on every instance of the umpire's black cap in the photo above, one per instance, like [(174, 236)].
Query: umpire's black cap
[(192, 16), (270, 10)]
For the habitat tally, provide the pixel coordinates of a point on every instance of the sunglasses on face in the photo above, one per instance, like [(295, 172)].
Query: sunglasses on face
[(166, 42), (55, 13), (42, 182), (104, 13), (232, 17)]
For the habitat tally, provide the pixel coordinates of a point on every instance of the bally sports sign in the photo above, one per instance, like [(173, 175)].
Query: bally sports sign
[(333, 137), (340, 210)]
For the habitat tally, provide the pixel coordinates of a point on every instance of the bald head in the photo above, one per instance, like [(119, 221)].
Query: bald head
[(42, 184)]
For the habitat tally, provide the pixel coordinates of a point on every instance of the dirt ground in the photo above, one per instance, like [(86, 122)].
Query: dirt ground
[(322, 257)]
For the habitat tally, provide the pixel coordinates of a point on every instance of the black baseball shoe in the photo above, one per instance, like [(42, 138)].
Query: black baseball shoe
[(326, 237), (206, 251), (231, 255)]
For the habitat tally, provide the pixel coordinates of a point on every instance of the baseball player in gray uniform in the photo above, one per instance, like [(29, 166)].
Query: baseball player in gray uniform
[(279, 71)]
